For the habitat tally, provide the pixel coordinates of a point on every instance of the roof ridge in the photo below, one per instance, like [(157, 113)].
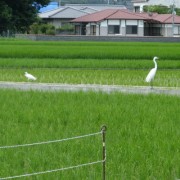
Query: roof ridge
[(170, 15), (116, 10), (132, 13), (57, 10), (68, 7), (78, 9)]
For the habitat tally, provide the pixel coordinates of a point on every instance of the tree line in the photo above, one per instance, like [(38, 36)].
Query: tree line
[(160, 9), (18, 15)]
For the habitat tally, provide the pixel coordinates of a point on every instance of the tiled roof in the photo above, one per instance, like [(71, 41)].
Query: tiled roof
[(127, 15), (167, 18), (147, 15), (110, 14), (97, 16)]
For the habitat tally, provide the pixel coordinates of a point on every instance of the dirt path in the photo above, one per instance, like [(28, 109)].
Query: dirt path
[(89, 87)]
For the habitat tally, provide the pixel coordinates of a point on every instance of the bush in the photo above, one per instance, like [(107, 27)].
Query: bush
[(42, 28), (34, 28), (50, 29), (66, 28), (50, 32)]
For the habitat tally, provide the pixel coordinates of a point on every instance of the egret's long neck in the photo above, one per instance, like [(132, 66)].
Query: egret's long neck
[(155, 63)]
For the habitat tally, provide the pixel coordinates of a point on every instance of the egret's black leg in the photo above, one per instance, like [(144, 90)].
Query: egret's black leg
[(151, 84)]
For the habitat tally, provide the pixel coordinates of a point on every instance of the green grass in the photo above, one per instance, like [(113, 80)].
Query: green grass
[(142, 136)]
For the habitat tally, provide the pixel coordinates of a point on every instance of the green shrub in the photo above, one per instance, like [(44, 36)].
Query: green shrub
[(50, 32), (34, 28), (37, 28), (66, 27), (43, 28)]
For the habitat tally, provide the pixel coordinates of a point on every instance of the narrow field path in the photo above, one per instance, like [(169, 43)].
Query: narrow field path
[(89, 87)]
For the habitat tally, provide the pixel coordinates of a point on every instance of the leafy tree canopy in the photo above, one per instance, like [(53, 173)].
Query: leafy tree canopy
[(18, 15), (160, 9)]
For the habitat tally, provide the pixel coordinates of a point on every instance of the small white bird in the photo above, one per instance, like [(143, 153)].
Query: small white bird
[(30, 76), (152, 73)]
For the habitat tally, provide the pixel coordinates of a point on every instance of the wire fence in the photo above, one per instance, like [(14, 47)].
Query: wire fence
[(56, 141), (48, 142)]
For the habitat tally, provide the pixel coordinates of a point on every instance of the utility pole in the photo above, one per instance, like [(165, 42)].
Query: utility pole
[(173, 13), (59, 3)]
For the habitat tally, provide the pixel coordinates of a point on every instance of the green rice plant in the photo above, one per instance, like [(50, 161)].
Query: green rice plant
[(166, 78), (89, 50), (86, 63), (142, 138)]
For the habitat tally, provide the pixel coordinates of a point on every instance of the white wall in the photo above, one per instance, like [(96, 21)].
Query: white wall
[(103, 28), (168, 30), (56, 23), (176, 29), (122, 24), (131, 22), (113, 22)]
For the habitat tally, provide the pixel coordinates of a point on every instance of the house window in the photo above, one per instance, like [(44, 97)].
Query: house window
[(131, 29), (137, 8), (113, 29), (177, 30), (77, 29)]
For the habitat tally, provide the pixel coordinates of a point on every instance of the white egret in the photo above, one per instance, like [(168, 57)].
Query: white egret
[(30, 76), (152, 73)]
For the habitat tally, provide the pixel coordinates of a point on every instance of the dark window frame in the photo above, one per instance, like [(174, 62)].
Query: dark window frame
[(113, 29), (131, 29)]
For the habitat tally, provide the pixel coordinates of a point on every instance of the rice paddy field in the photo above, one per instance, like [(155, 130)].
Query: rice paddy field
[(90, 62), (142, 137)]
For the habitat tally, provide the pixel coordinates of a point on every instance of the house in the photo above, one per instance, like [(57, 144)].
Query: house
[(109, 22), (169, 25), (64, 14), (126, 23), (138, 4)]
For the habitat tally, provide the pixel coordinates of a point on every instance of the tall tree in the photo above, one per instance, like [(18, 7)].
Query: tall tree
[(18, 15), (5, 16)]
